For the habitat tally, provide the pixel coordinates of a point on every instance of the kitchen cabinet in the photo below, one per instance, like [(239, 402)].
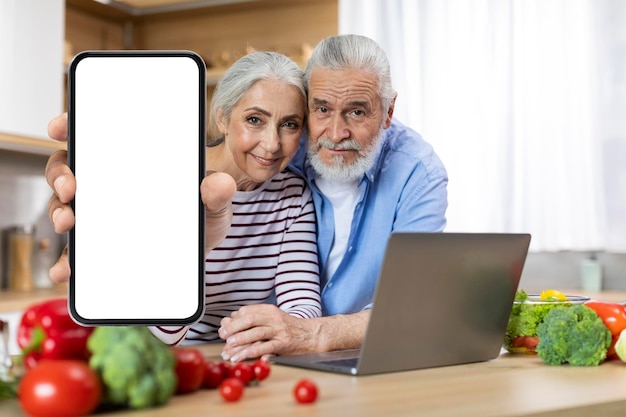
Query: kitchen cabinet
[(29, 144), (220, 32), (31, 72), (221, 36)]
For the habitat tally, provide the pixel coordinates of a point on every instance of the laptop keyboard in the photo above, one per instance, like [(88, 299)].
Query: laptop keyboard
[(348, 362)]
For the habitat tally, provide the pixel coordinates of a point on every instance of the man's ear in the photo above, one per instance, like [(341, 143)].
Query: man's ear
[(390, 112)]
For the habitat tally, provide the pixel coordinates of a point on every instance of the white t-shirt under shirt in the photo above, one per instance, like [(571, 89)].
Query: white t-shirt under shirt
[(269, 256), (344, 196)]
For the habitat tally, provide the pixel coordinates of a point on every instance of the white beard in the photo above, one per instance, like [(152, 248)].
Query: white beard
[(338, 170)]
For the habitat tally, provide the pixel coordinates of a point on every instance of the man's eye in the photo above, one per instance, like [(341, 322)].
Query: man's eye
[(358, 112), (322, 109)]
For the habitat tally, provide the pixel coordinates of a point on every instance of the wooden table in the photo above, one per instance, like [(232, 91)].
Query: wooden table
[(510, 385)]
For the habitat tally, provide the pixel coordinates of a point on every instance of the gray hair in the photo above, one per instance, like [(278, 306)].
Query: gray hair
[(358, 52), (241, 76)]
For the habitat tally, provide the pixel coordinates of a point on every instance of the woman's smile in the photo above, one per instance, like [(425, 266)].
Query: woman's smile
[(265, 161)]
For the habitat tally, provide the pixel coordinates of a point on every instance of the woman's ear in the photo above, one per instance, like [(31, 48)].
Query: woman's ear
[(221, 121)]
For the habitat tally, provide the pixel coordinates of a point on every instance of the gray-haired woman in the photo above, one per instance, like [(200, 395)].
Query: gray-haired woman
[(258, 111)]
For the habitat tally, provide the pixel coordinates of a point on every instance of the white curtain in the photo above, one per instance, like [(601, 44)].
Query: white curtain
[(525, 102)]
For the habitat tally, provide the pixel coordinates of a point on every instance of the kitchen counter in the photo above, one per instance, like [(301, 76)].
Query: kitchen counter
[(12, 301), (510, 385)]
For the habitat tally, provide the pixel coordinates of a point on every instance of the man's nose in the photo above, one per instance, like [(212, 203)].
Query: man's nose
[(338, 129)]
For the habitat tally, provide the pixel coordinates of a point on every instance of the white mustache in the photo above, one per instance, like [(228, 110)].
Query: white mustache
[(344, 145)]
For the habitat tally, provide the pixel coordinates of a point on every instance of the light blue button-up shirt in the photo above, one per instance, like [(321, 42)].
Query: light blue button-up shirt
[(406, 190)]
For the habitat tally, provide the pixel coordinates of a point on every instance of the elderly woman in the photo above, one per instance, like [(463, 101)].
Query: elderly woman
[(269, 255)]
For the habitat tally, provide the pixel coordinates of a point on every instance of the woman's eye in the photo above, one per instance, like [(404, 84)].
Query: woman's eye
[(254, 120), (291, 125)]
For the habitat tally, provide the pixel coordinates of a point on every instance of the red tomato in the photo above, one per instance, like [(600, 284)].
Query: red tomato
[(614, 317), (189, 369), (226, 368), (305, 391), (60, 387), (261, 369), (212, 375), (243, 372), (231, 389), (528, 342)]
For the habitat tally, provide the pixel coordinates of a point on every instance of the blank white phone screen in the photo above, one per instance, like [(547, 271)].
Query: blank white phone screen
[(136, 147)]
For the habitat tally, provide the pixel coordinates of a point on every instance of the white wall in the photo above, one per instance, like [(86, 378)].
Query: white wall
[(31, 65)]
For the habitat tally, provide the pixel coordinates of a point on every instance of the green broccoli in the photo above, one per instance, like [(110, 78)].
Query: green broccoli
[(137, 370), (525, 317), (573, 334)]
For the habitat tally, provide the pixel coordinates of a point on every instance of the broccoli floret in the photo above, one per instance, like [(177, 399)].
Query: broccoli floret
[(573, 334), (136, 369), (525, 317)]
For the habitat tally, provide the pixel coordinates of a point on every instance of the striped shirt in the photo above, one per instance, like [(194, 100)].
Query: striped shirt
[(269, 256)]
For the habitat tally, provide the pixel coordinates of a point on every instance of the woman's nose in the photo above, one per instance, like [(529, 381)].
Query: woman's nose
[(271, 141)]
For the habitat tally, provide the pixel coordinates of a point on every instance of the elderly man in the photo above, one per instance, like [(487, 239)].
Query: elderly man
[(370, 176)]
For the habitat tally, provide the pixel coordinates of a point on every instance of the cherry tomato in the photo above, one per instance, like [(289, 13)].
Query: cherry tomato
[(231, 389), (60, 387), (189, 369), (226, 368), (212, 375), (305, 391), (261, 369), (243, 372), (614, 317), (528, 342)]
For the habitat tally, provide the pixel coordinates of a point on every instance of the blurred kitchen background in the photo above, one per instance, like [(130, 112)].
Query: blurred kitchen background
[(38, 38)]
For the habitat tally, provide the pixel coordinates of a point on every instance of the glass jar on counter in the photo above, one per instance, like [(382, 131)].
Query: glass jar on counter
[(17, 256), (42, 261)]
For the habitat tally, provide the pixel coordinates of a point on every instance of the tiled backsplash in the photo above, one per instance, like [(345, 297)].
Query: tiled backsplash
[(24, 196), (23, 190), (562, 270)]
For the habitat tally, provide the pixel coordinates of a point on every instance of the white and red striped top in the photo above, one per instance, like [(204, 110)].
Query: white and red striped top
[(269, 256)]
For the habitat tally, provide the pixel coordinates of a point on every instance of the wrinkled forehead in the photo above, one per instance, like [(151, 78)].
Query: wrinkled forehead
[(343, 84)]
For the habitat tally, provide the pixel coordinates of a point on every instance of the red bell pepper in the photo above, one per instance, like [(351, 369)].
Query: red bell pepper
[(613, 316), (46, 331)]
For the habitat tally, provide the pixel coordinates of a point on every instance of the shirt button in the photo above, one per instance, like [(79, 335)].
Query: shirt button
[(350, 249), (330, 284)]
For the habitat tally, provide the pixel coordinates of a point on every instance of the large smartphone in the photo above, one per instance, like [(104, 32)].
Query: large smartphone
[(136, 145)]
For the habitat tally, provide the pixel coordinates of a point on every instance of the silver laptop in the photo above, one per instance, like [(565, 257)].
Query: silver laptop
[(442, 299)]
